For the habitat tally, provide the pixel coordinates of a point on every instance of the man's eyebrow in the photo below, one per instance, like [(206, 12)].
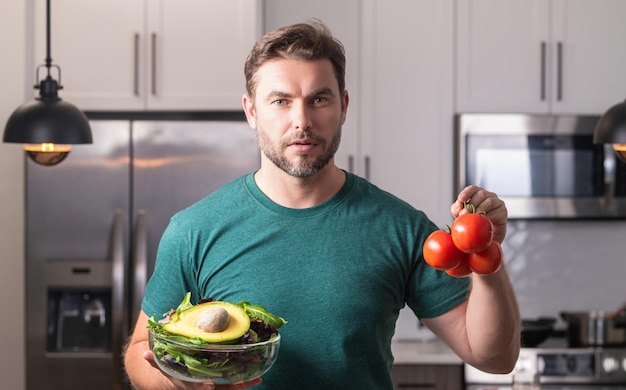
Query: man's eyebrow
[(322, 91), (278, 94), (281, 94)]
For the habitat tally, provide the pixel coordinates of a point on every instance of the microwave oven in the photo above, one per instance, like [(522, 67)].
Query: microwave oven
[(541, 166)]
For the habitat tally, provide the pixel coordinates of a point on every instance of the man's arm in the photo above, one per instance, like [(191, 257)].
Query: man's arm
[(485, 329), (138, 360)]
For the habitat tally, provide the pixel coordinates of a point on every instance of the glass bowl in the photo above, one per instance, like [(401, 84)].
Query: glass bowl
[(217, 363)]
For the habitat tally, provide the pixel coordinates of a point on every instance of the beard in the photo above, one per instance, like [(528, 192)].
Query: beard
[(307, 164)]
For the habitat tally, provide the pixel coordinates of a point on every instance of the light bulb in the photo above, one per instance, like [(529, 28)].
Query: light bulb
[(47, 153), (620, 150)]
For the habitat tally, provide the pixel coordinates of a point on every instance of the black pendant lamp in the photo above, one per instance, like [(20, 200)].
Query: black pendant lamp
[(48, 126), (611, 129)]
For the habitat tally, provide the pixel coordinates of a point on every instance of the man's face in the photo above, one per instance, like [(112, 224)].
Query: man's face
[(297, 112)]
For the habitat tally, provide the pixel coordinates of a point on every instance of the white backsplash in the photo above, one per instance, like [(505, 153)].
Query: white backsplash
[(557, 266)]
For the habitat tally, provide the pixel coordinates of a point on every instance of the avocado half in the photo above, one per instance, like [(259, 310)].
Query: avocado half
[(184, 323)]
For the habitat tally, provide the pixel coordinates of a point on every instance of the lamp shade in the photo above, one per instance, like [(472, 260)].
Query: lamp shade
[(611, 128), (48, 121)]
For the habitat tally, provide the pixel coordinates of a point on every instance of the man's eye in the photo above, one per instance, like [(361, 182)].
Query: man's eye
[(320, 100), (280, 102)]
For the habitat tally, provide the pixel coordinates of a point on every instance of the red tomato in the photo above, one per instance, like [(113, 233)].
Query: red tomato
[(488, 261), (472, 232), (440, 252), (460, 271)]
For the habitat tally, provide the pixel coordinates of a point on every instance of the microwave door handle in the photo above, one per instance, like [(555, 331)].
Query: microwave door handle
[(609, 176), (139, 261), (118, 321)]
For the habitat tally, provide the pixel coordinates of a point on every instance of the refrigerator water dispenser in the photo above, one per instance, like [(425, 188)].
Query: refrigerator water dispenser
[(79, 306)]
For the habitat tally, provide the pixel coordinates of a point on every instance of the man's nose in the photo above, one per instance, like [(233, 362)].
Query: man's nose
[(301, 116)]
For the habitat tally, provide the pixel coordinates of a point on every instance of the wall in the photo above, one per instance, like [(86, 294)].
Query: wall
[(12, 47), (567, 265)]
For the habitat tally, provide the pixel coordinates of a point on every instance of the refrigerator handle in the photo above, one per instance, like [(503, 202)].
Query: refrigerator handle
[(118, 323), (139, 261)]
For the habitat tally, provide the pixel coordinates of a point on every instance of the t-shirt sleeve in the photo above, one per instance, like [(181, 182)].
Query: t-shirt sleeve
[(173, 273), (432, 292)]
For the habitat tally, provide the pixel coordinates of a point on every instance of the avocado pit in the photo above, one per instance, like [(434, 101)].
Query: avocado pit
[(213, 320)]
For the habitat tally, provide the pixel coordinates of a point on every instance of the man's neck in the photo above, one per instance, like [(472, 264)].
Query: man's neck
[(300, 192)]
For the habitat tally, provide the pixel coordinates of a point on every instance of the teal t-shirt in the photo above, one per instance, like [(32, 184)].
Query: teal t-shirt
[(338, 273)]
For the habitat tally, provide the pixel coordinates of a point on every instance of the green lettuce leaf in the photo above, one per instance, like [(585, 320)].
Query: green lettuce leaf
[(260, 312)]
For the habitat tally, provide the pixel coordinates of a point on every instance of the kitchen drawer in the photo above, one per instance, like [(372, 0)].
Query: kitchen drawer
[(426, 377)]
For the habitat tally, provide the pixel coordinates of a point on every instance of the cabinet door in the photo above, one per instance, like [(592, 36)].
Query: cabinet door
[(196, 52), (97, 47), (592, 39), (342, 17), (503, 56), (406, 100)]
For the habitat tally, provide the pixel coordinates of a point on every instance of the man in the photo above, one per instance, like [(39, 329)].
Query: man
[(331, 253)]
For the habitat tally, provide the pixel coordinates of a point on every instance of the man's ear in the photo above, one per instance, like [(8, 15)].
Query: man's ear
[(248, 108), (344, 106)]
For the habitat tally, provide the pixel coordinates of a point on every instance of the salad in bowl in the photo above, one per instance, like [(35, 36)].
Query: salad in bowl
[(215, 341)]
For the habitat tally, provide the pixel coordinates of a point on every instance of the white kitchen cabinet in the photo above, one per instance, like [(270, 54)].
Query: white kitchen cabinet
[(539, 56), (406, 112), (149, 54)]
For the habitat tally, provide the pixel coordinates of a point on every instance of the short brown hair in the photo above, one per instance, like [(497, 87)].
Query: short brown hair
[(305, 41)]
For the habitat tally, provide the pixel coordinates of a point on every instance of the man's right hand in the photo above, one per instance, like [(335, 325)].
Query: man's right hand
[(149, 357)]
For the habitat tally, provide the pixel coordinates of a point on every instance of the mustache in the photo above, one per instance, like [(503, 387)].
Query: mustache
[(303, 135)]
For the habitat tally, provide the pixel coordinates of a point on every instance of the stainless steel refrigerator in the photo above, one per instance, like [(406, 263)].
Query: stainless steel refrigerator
[(93, 226)]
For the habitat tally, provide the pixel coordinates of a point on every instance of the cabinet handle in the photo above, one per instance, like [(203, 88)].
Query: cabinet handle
[(153, 64), (559, 62), (136, 66), (351, 163), (367, 167), (543, 71)]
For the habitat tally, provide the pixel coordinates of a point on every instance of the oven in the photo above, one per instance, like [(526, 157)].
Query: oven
[(560, 367)]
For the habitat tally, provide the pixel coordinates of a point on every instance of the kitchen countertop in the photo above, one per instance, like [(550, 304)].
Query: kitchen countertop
[(425, 352)]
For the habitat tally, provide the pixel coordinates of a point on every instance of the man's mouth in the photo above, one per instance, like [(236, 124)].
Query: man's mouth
[(302, 145)]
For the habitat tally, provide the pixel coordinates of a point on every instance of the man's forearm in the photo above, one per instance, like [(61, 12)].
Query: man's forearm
[(493, 322), (141, 373)]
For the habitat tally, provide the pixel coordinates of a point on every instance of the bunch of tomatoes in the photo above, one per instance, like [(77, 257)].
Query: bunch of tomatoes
[(466, 246)]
